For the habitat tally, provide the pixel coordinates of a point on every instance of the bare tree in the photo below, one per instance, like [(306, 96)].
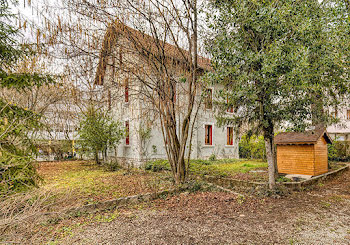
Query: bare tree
[(159, 42)]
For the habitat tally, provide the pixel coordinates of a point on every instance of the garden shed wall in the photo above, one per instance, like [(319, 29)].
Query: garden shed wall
[(296, 159)]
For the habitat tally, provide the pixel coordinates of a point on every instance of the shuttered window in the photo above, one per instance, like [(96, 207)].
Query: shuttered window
[(208, 134), (127, 129), (229, 135), (126, 90), (109, 100), (229, 107)]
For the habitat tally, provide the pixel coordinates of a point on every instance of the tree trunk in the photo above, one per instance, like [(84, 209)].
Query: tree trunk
[(180, 177), (270, 154), (105, 155), (271, 162), (96, 158), (116, 153), (274, 148)]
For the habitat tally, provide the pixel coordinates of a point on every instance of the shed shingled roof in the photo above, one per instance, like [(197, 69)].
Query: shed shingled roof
[(148, 44), (307, 137)]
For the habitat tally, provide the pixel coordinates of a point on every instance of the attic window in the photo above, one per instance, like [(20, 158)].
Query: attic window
[(126, 93), (120, 56), (230, 107), (109, 100), (209, 99)]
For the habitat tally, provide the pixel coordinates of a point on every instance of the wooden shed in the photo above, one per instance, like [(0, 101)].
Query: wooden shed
[(303, 153)]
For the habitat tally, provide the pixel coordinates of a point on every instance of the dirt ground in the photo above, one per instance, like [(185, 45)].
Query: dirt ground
[(320, 216)]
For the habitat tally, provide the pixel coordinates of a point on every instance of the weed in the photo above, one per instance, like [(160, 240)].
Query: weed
[(106, 218), (292, 241), (195, 186), (283, 179), (54, 220), (336, 199), (212, 157), (241, 199), (325, 204)]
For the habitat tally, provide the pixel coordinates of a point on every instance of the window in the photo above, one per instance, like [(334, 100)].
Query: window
[(120, 56), (209, 99), (126, 94), (334, 114), (208, 134), (174, 90), (229, 107), (348, 114), (229, 135), (109, 100), (127, 129)]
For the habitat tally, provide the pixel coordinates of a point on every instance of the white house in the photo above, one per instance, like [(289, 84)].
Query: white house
[(131, 106)]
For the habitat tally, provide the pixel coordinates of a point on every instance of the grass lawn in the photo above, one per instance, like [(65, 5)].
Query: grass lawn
[(86, 183), (233, 168)]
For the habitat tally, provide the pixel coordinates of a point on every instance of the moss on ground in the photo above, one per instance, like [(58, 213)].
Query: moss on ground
[(220, 168)]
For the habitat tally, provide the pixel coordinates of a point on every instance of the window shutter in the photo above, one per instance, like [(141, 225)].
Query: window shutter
[(127, 138)]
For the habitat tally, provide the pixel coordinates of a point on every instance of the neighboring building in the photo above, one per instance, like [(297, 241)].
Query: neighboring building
[(130, 106), (341, 130), (58, 138), (304, 153)]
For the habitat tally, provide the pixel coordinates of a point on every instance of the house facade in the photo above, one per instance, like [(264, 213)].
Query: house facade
[(341, 130), (129, 103)]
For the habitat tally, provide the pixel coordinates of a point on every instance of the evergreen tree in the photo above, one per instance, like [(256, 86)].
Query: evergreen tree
[(98, 132), (278, 65), (16, 123)]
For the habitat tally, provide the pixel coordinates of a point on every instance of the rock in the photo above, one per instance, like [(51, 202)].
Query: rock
[(298, 177)]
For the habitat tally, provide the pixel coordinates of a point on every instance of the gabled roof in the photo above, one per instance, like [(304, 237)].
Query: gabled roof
[(144, 42), (307, 137)]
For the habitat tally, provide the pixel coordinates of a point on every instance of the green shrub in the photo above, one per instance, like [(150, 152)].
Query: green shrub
[(252, 147), (212, 157), (112, 165), (283, 179), (158, 165), (201, 162), (338, 151)]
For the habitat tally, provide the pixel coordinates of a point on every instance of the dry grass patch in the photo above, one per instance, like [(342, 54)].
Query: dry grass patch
[(89, 183), (37, 214)]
